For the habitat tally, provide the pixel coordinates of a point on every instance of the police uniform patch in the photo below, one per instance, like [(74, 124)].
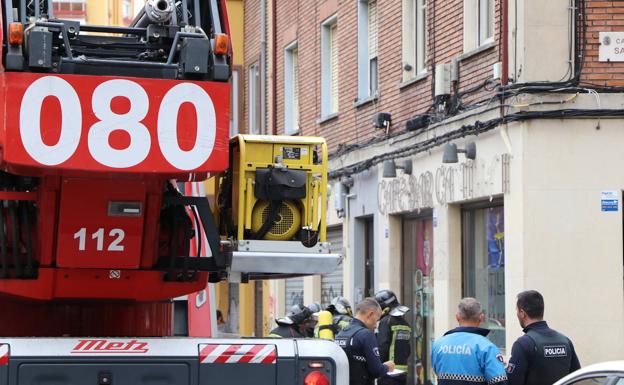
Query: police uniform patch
[(501, 358), (551, 351), (376, 351), (511, 367)]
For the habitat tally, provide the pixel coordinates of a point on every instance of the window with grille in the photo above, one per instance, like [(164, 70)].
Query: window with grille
[(291, 89), (329, 67), (414, 38), (234, 102)]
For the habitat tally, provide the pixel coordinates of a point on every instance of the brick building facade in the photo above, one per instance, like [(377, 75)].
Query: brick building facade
[(523, 213)]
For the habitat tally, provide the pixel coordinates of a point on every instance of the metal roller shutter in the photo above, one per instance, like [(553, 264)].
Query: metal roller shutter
[(294, 293), (332, 284)]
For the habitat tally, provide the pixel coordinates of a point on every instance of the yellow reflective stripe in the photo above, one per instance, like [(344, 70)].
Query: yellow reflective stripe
[(273, 335), (401, 367), (395, 329), (392, 346)]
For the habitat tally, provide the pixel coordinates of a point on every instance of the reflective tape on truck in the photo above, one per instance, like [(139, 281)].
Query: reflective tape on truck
[(234, 354)]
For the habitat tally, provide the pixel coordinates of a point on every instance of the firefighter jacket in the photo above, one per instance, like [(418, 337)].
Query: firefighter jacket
[(541, 356), (463, 356), (285, 331), (393, 337), (360, 345)]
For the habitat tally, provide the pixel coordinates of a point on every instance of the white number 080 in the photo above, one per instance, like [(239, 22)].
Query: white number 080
[(109, 121)]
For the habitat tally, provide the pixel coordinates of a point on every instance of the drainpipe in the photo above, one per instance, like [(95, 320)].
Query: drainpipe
[(505, 40), (274, 69), (263, 49)]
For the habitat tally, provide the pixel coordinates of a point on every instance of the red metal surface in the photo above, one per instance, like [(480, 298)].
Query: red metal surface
[(77, 319), (139, 285), (88, 236), (83, 124)]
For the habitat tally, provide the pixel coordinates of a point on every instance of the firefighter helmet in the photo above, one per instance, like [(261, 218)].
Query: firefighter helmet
[(390, 303), (298, 314), (340, 305)]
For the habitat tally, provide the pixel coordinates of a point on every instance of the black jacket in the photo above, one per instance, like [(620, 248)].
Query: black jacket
[(393, 336), (525, 357), (286, 331), (360, 345)]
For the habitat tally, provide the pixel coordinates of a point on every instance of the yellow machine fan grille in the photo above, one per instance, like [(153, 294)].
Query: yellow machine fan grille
[(287, 224)]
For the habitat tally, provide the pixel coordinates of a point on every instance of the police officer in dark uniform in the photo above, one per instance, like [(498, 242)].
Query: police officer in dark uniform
[(358, 342), (542, 355), (393, 336), (291, 325)]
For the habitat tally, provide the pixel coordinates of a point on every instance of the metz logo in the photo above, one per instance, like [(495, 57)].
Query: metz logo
[(106, 346), (555, 351)]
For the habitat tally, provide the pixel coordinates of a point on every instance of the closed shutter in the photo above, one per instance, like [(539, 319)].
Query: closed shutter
[(332, 284), (295, 77), (294, 293), (333, 39), (372, 29)]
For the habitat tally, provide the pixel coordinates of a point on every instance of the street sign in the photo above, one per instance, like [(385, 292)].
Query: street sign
[(609, 200), (611, 47)]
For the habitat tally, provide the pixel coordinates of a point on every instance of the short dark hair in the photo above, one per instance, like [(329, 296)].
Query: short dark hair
[(219, 314), (532, 302), (366, 305)]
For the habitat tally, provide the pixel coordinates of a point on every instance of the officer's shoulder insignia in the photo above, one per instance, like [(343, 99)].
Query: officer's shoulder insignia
[(511, 367), (501, 358), (376, 351)]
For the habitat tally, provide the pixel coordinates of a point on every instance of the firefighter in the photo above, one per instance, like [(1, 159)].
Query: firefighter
[(312, 322), (291, 326), (341, 311), (393, 336), (358, 342)]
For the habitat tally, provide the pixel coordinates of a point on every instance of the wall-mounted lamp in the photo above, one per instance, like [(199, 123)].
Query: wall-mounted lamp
[(451, 151), (390, 167), (341, 189)]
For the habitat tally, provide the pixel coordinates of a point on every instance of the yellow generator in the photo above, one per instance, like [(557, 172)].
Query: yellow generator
[(272, 205)]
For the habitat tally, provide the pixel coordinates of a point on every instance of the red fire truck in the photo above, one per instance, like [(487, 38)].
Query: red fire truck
[(106, 137)]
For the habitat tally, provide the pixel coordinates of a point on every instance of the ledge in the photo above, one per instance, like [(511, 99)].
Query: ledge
[(419, 78), (327, 118), (362, 102), (476, 51)]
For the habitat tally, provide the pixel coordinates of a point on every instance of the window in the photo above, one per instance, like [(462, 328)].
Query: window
[(414, 38), (254, 99), (291, 90), (478, 23), (127, 9), (234, 103), (368, 79), (329, 67), (592, 381), (483, 233)]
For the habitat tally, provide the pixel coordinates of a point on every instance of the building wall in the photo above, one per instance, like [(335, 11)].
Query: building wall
[(300, 21), (603, 16)]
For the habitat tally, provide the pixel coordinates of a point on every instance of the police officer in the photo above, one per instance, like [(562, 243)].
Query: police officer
[(542, 355), (358, 342), (463, 355), (291, 325), (393, 335)]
